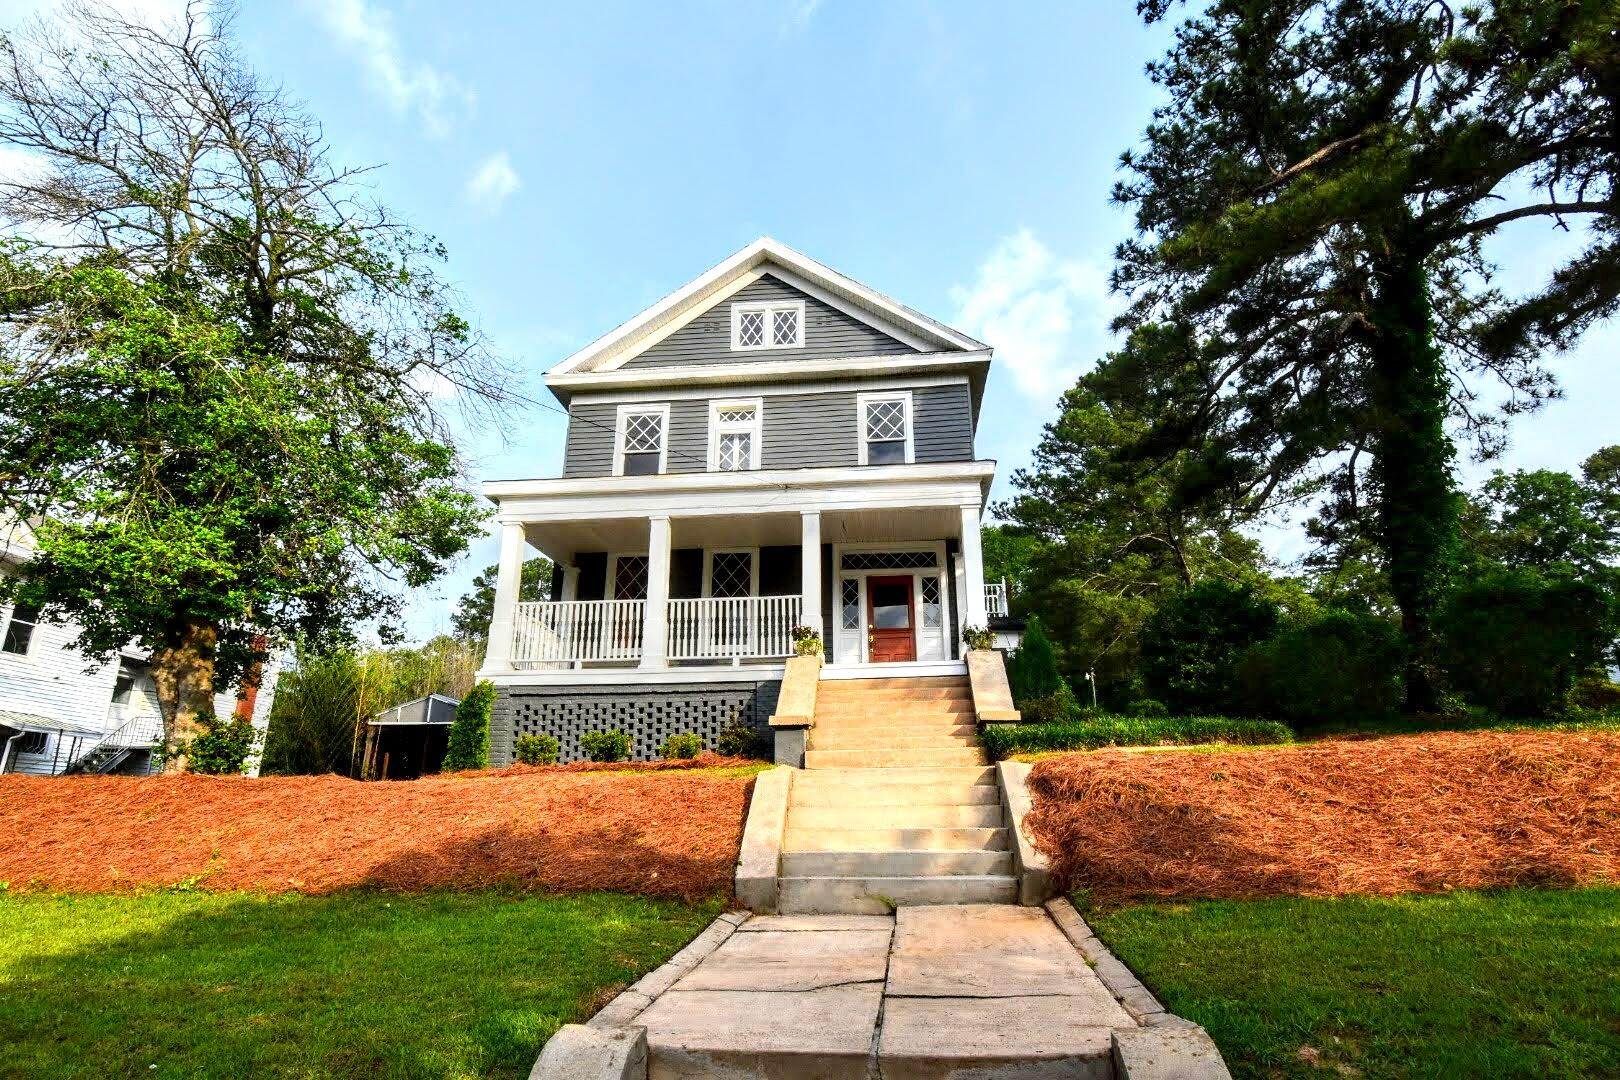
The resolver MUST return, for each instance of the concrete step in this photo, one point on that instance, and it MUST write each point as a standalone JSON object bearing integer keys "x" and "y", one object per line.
{"x": 801, "y": 839}
{"x": 866, "y": 711}
{"x": 882, "y": 740}
{"x": 970, "y": 774}
{"x": 837, "y": 694}
{"x": 890, "y": 721}
{"x": 894, "y": 864}
{"x": 930, "y": 682}
{"x": 851, "y": 794}
{"x": 880, "y": 759}
{"x": 877, "y": 895}
{"x": 894, "y": 817}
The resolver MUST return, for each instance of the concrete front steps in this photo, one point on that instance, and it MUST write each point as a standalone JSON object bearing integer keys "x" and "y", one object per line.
{"x": 897, "y": 804}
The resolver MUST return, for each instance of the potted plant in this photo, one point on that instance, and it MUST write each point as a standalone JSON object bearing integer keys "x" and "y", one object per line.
{"x": 807, "y": 641}
{"x": 978, "y": 637}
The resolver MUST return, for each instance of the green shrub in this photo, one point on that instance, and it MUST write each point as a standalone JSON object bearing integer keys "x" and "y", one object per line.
{"x": 535, "y": 749}
{"x": 1513, "y": 640}
{"x": 1058, "y": 706}
{"x": 1595, "y": 691}
{"x": 1032, "y": 671}
{"x": 1147, "y": 707}
{"x": 683, "y": 747}
{"x": 1192, "y": 644}
{"x": 1338, "y": 666}
{"x": 221, "y": 749}
{"x": 1091, "y": 733}
{"x": 737, "y": 738}
{"x": 469, "y": 731}
{"x": 611, "y": 745}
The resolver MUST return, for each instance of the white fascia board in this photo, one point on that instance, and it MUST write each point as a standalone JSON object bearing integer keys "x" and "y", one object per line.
{"x": 656, "y": 678}
{"x": 748, "y": 481}
{"x": 769, "y": 390}
{"x": 620, "y": 343}
{"x": 764, "y": 371}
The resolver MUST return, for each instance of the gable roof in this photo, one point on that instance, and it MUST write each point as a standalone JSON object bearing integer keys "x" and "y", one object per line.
{"x": 733, "y": 274}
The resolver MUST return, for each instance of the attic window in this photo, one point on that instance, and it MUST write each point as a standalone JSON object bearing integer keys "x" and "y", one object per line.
{"x": 777, "y": 325}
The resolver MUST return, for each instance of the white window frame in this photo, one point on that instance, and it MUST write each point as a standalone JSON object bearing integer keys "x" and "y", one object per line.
{"x": 862, "y": 401}
{"x": 769, "y": 308}
{"x": 755, "y": 429}
{"x": 661, "y": 409}
{"x": 608, "y": 586}
{"x": 708, "y": 568}
{"x": 5, "y": 630}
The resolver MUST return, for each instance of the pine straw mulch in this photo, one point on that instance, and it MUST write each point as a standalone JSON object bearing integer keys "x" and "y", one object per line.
{"x": 1416, "y": 813}
{"x": 559, "y": 828}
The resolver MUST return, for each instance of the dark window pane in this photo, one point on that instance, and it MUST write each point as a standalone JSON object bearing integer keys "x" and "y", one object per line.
{"x": 640, "y": 464}
{"x": 891, "y": 606}
{"x": 19, "y": 629}
{"x": 886, "y": 453}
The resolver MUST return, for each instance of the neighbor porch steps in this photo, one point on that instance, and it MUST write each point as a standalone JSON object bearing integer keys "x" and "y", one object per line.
{"x": 897, "y": 803}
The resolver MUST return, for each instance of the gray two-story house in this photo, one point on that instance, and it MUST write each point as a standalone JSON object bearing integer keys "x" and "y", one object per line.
{"x": 774, "y": 444}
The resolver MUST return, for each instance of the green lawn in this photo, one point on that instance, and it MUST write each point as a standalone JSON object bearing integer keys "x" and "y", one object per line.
{"x": 1516, "y": 983}
{"x": 172, "y": 984}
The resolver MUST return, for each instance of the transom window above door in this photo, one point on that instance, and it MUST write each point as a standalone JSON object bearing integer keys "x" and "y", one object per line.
{"x": 642, "y": 440}
{"x": 885, "y": 428}
{"x": 775, "y": 325}
{"x": 734, "y": 431}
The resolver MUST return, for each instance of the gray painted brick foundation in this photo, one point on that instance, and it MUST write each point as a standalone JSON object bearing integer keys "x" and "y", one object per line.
{"x": 649, "y": 713}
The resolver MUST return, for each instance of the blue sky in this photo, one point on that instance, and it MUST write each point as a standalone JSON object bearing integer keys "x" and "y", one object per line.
{"x": 582, "y": 160}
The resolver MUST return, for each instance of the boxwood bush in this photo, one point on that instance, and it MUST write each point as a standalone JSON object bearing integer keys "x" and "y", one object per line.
{"x": 535, "y": 749}
{"x": 1095, "y": 732}
{"x": 683, "y": 746}
{"x": 612, "y": 745}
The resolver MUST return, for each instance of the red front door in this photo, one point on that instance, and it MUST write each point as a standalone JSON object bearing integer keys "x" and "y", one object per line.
{"x": 889, "y": 638}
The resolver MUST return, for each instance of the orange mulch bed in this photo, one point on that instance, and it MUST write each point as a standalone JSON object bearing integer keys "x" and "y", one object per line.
{"x": 1416, "y": 813}
{"x": 562, "y": 828}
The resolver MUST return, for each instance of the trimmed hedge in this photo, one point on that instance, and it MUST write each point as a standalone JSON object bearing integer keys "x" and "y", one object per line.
{"x": 1093, "y": 733}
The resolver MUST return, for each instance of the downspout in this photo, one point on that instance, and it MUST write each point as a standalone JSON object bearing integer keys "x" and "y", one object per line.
{"x": 5, "y": 755}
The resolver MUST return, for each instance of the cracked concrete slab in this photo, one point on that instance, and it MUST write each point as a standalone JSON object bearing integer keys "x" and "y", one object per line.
{"x": 789, "y": 960}
{"x": 985, "y": 950}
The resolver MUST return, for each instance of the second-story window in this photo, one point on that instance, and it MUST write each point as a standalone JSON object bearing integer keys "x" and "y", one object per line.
{"x": 643, "y": 440}
{"x": 775, "y": 325}
{"x": 885, "y": 420}
{"x": 19, "y": 630}
{"x": 734, "y": 428}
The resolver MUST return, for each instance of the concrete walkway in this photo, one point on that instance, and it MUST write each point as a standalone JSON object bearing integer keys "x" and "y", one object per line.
{"x": 987, "y": 991}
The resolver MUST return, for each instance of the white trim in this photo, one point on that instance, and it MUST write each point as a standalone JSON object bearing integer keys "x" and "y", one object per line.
{"x": 624, "y": 337}
{"x": 874, "y": 397}
{"x": 837, "y": 303}
{"x": 824, "y": 386}
{"x": 821, "y": 477}
{"x": 707, "y": 590}
{"x": 858, "y": 636}
{"x": 755, "y": 430}
{"x": 661, "y": 409}
{"x": 631, "y": 676}
{"x": 769, "y": 309}
{"x": 893, "y": 365}
{"x": 613, "y": 572}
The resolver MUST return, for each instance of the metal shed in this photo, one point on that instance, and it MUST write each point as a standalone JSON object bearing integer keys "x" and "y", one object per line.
{"x": 410, "y": 739}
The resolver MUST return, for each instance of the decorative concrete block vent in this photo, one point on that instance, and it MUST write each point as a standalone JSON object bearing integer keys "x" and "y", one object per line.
{"x": 649, "y": 715}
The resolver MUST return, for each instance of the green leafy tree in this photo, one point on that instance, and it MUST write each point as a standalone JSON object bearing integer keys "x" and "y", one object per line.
{"x": 469, "y": 731}
{"x": 475, "y": 609}
{"x": 1193, "y": 645}
{"x": 1008, "y": 551}
{"x": 1113, "y": 541}
{"x": 222, "y": 367}
{"x": 1314, "y": 200}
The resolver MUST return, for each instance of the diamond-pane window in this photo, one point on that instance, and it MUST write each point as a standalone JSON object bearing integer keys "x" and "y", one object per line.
{"x": 885, "y": 420}
{"x": 643, "y": 431}
{"x": 734, "y": 435}
{"x": 775, "y": 324}
{"x": 751, "y": 329}
{"x": 732, "y": 573}
{"x": 931, "y": 609}
{"x": 735, "y": 451}
{"x": 743, "y": 414}
{"x": 850, "y": 595}
{"x": 890, "y": 560}
{"x": 785, "y": 327}
{"x": 630, "y": 578}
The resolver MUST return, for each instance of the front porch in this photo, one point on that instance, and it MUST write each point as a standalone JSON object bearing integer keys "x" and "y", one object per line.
{"x": 677, "y": 586}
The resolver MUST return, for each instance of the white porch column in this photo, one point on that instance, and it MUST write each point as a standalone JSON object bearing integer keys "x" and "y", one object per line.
{"x": 655, "y": 630}
{"x": 570, "y": 584}
{"x": 810, "y": 568}
{"x": 972, "y": 567}
{"x": 508, "y": 579}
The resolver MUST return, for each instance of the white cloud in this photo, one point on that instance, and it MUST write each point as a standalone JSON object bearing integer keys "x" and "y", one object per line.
{"x": 407, "y": 86}
{"x": 493, "y": 183}
{"x": 1046, "y": 317}
{"x": 797, "y": 16}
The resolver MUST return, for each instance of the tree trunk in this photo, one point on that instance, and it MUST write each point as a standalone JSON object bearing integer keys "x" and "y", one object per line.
{"x": 183, "y": 675}
{"x": 1415, "y": 517}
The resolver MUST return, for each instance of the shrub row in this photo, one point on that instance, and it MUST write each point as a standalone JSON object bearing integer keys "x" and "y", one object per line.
{"x": 1095, "y": 732}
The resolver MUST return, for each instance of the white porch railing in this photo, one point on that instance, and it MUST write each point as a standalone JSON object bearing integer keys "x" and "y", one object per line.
{"x": 995, "y": 599}
{"x": 576, "y": 631}
{"x": 732, "y": 627}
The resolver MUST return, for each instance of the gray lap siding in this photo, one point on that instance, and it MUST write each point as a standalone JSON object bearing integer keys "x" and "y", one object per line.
{"x": 799, "y": 431}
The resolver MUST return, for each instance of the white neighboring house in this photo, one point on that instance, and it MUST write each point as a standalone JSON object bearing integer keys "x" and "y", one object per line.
{"x": 61, "y": 711}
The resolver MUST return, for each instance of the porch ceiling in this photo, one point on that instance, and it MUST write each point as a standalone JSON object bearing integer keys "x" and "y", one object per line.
{"x": 561, "y": 539}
